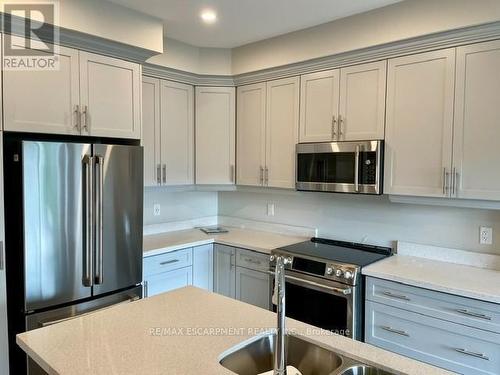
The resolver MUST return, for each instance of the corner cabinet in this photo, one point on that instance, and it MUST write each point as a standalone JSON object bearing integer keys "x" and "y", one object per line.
{"x": 168, "y": 132}
{"x": 419, "y": 125}
{"x": 268, "y": 118}
{"x": 89, "y": 95}
{"x": 215, "y": 135}
{"x": 346, "y": 104}
{"x": 224, "y": 271}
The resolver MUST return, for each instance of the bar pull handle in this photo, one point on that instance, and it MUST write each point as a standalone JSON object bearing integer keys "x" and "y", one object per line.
{"x": 266, "y": 177}
{"x": 145, "y": 288}
{"x": 341, "y": 121}
{"x": 89, "y": 228}
{"x": 231, "y": 171}
{"x": 158, "y": 174}
{"x": 396, "y": 331}
{"x": 473, "y": 314}
{"x": 397, "y": 296}
{"x": 169, "y": 262}
{"x": 99, "y": 267}
{"x": 84, "y": 120}
{"x": 356, "y": 168}
{"x": 2, "y": 256}
{"x": 164, "y": 173}
{"x": 77, "y": 119}
{"x": 334, "y": 124}
{"x": 261, "y": 175}
{"x": 472, "y": 354}
{"x": 446, "y": 186}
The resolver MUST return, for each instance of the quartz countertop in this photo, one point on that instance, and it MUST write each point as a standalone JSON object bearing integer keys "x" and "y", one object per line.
{"x": 180, "y": 332}
{"x": 452, "y": 278}
{"x": 260, "y": 241}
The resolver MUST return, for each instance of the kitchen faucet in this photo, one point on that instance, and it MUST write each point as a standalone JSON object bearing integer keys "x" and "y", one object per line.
{"x": 279, "y": 292}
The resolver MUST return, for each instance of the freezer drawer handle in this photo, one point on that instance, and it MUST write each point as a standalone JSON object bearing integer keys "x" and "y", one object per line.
{"x": 99, "y": 267}
{"x": 52, "y": 322}
{"x": 472, "y": 354}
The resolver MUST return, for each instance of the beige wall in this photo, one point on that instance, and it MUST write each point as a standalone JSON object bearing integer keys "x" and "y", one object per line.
{"x": 110, "y": 21}
{"x": 403, "y": 20}
{"x": 182, "y": 56}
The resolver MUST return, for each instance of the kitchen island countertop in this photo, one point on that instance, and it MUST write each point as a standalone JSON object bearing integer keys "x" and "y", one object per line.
{"x": 181, "y": 332}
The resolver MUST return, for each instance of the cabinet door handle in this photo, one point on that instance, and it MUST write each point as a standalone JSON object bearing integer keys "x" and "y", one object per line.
{"x": 397, "y": 296}
{"x": 158, "y": 174}
{"x": 341, "y": 121}
{"x": 396, "y": 331}
{"x": 145, "y": 288}
{"x": 76, "y": 113}
{"x": 2, "y": 256}
{"x": 473, "y": 314}
{"x": 334, "y": 124}
{"x": 261, "y": 175}
{"x": 84, "y": 116}
{"x": 266, "y": 176}
{"x": 446, "y": 186}
{"x": 231, "y": 171}
{"x": 164, "y": 173}
{"x": 472, "y": 354}
{"x": 455, "y": 181}
{"x": 169, "y": 262}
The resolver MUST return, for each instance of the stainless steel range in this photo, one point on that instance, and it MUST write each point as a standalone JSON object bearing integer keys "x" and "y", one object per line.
{"x": 324, "y": 285}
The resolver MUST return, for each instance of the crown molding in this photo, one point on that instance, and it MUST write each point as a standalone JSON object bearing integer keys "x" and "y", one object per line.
{"x": 83, "y": 41}
{"x": 158, "y": 71}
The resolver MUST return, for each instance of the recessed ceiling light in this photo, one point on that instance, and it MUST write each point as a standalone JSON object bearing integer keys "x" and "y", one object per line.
{"x": 208, "y": 16}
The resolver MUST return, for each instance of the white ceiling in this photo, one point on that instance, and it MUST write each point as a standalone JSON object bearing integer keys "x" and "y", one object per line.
{"x": 245, "y": 21}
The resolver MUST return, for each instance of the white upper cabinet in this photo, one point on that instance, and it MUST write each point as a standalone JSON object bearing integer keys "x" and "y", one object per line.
{"x": 477, "y": 121}
{"x": 215, "y": 135}
{"x": 251, "y": 134}
{"x": 362, "y": 102}
{"x": 319, "y": 106}
{"x": 281, "y": 132}
{"x": 110, "y": 96}
{"x": 177, "y": 133}
{"x": 420, "y": 91}
{"x": 43, "y": 101}
{"x": 151, "y": 131}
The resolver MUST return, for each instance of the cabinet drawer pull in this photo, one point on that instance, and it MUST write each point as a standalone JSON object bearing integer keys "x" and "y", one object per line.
{"x": 169, "y": 262}
{"x": 473, "y": 314}
{"x": 158, "y": 174}
{"x": 398, "y": 296}
{"x": 472, "y": 354}
{"x": 396, "y": 331}
{"x": 334, "y": 123}
{"x": 250, "y": 260}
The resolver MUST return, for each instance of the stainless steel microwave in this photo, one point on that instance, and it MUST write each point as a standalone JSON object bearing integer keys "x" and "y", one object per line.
{"x": 340, "y": 167}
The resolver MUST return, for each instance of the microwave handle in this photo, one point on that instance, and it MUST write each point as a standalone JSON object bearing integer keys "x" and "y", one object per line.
{"x": 356, "y": 169}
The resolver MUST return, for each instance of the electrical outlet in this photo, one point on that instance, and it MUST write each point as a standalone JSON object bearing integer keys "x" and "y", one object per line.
{"x": 270, "y": 209}
{"x": 156, "y": 209}
{"x": 485, "y": 235}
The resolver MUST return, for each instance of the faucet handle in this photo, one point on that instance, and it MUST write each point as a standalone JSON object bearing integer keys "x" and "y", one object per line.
{"x": 287, "y": 260}
{"x": 272, "y": 258}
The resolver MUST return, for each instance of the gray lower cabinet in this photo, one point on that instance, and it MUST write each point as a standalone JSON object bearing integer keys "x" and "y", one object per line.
{"x": 203, "y": 266}
{"x": 452, "y": 332}
{"x": 253, "y": 287}
{"x": 224, "y": 270}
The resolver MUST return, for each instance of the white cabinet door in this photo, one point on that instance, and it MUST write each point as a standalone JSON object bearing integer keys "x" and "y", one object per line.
{"x": 166, "y": 281}
{"x": 253, "y": 287}
{"x": 251, "y": 134}
{"x": 282, "y": 132}
{"x": 43, "y": 101}
{"x": 420, "y": 91}
{"x": 151, "y": 130}
{"x": 110, "y": 96}
{"x": 362, "y": 102}
{"x": 319, "y": 106}
{"x": 224, "y": 270}
{"x": 477, "y": 124}
{"x": 215, "y": 135}
{"x": 4, "y": 342}
{"x": 203, "y": 267}
{"x": 177, "y": 133}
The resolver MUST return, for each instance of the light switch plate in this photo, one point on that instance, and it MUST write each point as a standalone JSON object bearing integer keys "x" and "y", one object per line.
{"x": 156, "y": 209}
{"x": 486, "y": 235}
{"x": 270, "y": 209}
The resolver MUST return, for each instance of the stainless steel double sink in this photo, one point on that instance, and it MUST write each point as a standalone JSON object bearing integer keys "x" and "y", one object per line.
{"x": 255, "y": 356}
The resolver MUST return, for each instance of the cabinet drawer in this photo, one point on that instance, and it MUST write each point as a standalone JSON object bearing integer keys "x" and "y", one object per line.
{"x": 167, "y": 281}
{"x": 168, "y": 261}
{"x": 252, "y": 260}
{"x": 448, "y": 345}
{"x": 466, "y": 311}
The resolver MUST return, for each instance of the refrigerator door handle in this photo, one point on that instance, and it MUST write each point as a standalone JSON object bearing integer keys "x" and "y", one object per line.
{"x": 88, "y": 252}
{"x": 99, "y": 268}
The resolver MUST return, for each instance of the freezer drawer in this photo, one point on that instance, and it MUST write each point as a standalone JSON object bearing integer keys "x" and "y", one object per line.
{"x": 51, "y": 317}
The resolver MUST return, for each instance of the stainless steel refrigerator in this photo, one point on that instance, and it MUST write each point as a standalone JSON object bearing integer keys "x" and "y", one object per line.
{"x": 74, "y": 231}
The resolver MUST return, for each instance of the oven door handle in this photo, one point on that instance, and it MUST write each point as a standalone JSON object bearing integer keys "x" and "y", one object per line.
{"x": 327, "y": 288}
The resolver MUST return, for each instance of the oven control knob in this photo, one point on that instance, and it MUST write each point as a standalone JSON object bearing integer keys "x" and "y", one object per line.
{"x": 288, "y": 260}
{"x": 348, "y": 275}
{"x": 338, "y": 272}
{"x": 329, "y": 270}
{"x": 271, "y": 258}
